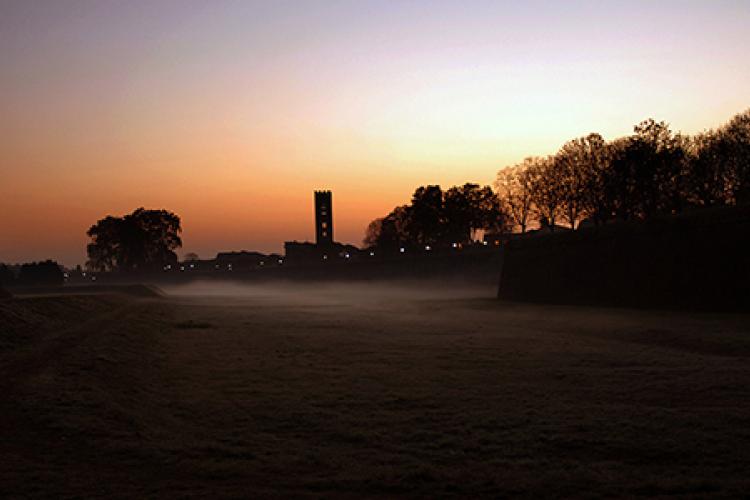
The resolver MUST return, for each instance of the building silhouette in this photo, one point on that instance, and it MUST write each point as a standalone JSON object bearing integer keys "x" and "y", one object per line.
{"x": 325, "y": 249}
{"x": 323, "y": 218}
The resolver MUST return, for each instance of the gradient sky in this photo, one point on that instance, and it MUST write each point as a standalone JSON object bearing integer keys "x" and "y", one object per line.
{"x": 230, "y": 113}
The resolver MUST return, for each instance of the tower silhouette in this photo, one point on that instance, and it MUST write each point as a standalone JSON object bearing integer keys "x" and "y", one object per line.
{"x": 323, "y": 218}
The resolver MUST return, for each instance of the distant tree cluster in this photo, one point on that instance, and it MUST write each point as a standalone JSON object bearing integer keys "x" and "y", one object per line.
{"x": 144, "y": 240}
{"x": 436, "y": 217}
{"x": 651, "y": 172}
{"x": 191, "y": 257}
{"x": 47, "y": 272}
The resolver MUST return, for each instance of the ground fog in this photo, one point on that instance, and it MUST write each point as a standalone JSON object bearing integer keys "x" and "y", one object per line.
{"x": 350, "y": 389}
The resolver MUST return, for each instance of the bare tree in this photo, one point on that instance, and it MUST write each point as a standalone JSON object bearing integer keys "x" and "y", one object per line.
{"x": 514, "y": 186}
{"x": 582, "y": 165}
{"x": 734, "y": 141}
{"x": 546, "y": 190}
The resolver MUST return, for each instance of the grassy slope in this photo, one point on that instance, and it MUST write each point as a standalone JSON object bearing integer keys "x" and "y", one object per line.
{"x": 294, "y": 396}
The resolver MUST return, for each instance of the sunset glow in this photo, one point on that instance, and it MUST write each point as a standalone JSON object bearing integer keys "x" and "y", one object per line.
{"x": 231, "y": 113}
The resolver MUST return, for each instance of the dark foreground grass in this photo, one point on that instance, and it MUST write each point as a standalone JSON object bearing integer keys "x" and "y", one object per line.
{"x": 362, "y": 392}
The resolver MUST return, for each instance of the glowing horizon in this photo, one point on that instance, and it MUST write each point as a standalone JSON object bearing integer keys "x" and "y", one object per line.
{"x": 231, "y": 113}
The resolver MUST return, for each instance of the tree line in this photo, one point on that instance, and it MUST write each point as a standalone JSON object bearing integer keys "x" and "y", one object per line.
{"x": 46, "y": 272}
{"x": 435, "y": 218}
{"x": 654, "y": 171}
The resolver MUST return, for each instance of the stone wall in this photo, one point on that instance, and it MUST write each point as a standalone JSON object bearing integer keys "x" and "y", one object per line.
{"x": 699, "y": 260}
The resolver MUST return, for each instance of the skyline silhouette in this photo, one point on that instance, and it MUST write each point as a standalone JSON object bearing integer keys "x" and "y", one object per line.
{"x": 230, "y": 115}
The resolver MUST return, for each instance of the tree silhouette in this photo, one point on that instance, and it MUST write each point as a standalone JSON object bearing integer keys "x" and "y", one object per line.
{"x": 707, "y": 181}
{"x": 514, "y": 187}
{"x": 425, "y": 216}
{"x": 143, "y": 240}
{"x": 41, "y": 273}
{"x": 389, "y": 232}
{"x": 582, "y": 165}
{"x": 647, "y": 170}
{"x": 651, "y": 172}
{"x": 437, "y": 218}
{"x": 734, "y": 144}
{"x": 470, "y": 207}
{"x": 547, "y": 193}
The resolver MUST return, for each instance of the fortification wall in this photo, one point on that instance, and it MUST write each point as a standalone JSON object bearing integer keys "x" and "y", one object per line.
{"x": 697, "y": 261}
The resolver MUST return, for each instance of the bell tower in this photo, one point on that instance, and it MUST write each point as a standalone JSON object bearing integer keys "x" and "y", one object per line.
{"x": 323, "y": 218}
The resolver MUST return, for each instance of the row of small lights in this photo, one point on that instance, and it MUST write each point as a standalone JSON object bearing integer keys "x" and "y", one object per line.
{"x": 66, "y": 276}
{"x": 428, "y": 248}
{"x": 403, "y": 250}
{"x": 168, "y": 267}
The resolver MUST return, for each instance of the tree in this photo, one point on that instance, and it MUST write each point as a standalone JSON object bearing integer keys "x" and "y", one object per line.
{"x": 437, "y": 217}
{"x": 546, "y": 190}
{"x": 647, "y": 170}
{"x": 142, "y": 240}
{"x": 373, "y": 232}
{"x": 468, "y": 208}
{"x": 582, "y": 164}
{"x": 514, "y": 185}
{"x": 425, "y": 216}
{"x": 734, "y": 146}
{"x": 191, "y": 257}
{"x": 389, "y": 233}
{"x": 707, "y": 180}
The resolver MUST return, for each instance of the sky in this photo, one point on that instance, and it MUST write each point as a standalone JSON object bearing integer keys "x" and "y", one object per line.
{"x": 231, "y": 113}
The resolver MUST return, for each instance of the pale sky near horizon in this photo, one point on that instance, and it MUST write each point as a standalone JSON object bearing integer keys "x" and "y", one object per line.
{"x": 230, "y": 113}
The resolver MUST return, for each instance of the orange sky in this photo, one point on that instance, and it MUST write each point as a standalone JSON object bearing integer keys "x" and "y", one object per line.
{"x": 231, "y": 113}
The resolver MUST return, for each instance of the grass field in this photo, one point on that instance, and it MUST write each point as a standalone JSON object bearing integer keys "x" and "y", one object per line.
{"x": 367, "y": 390}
